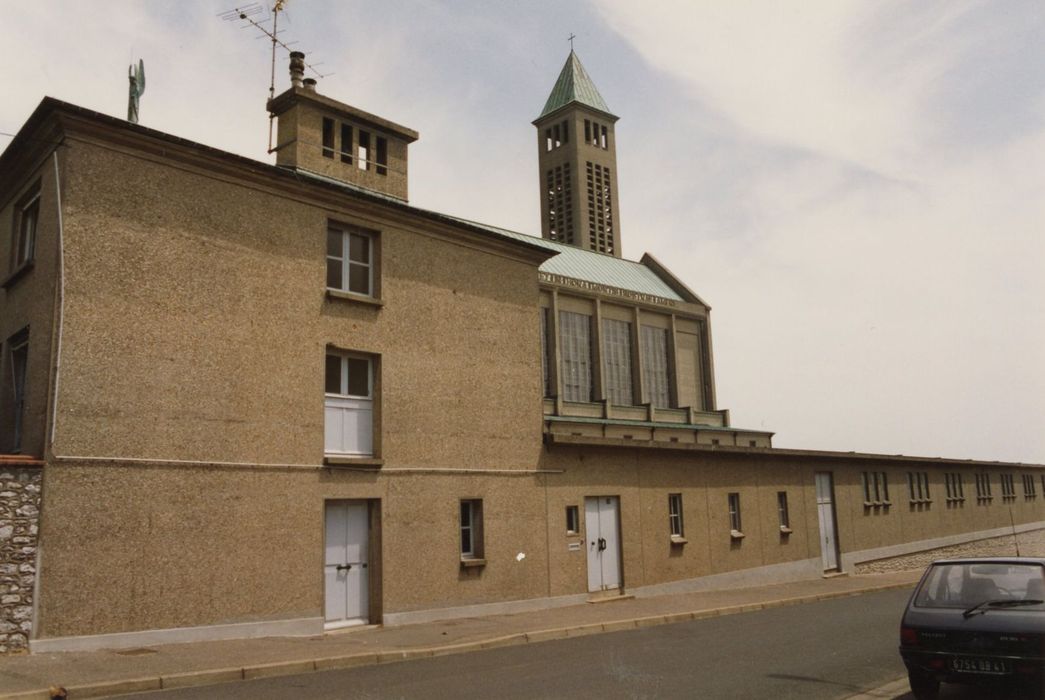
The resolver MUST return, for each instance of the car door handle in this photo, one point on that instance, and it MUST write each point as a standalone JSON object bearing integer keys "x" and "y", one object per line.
{"x": 344, "y": 567}
{"x": 602, "y": 544}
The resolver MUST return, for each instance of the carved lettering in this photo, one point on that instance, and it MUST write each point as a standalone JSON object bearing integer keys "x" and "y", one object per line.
{"x": 606, "y": 290}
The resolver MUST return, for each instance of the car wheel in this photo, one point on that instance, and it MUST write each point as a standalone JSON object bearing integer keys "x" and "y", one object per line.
{"x": 923, "y": 687}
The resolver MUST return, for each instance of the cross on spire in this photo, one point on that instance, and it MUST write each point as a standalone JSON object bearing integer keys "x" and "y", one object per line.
{"x": 570, "y": 39}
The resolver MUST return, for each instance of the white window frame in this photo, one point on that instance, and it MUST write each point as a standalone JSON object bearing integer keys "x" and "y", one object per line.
{"x": 347, "y": 415}
{"x": 25, "y": 230}
{"x": 471, "y": 528}
{"x": 675, "y": 523}
{"x": 783, "y": 512}
{"x": 348, "y": 265}
{"x": 735, "y": 521}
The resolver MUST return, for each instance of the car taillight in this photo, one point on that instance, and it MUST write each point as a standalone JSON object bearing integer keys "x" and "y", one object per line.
{"x": 908, "y": 636}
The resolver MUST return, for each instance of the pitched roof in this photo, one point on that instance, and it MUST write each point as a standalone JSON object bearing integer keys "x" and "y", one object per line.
{"x": 574, "y": 85}
{"x": 598, "y": 268}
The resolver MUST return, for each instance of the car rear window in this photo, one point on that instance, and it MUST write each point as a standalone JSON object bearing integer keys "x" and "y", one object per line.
{"x": 963, "y": 585}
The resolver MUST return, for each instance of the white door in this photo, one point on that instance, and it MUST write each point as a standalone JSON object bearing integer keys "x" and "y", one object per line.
{"x": 601, "y": 526}
{"x": 825, "y": 509}
{"x": 345, "y": 565}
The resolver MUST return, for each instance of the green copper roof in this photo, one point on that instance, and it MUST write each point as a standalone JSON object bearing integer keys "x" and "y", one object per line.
{"x": 574, "y": 85}
{"x": 587, "y": 266}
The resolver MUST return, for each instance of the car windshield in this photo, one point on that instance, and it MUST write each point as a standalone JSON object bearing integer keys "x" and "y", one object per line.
{"x": 967, "y": 585}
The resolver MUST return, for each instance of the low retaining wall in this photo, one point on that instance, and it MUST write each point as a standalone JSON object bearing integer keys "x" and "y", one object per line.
{"x": 20, "y": 487}
{"x": 1031, "y": 544}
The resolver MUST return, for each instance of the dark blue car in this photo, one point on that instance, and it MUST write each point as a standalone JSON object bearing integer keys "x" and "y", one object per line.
{"x": 976, "y": 621}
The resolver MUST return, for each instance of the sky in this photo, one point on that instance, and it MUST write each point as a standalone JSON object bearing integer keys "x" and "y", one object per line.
{"x": 856, "y": 188}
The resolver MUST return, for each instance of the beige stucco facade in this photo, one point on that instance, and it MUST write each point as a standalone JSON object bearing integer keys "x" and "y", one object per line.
{"x": 179, "y": 320}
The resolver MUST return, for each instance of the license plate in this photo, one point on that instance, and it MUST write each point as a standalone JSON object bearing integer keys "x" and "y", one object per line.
{"x": 974, "y": 665}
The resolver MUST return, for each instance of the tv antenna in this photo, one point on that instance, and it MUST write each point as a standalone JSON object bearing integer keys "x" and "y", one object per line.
{"x": 252, "y": 15}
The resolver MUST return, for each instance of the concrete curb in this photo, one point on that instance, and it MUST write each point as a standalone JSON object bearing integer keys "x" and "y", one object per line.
{"x": 291, "y": 668}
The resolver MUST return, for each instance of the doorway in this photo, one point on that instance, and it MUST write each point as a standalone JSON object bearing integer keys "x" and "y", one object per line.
{"x": 825, "y": 510}
{"x": 346, "y": 566}
{"x": 602, "y": 528}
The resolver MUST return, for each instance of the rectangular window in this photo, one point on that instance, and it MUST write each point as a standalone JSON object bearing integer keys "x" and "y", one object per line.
{"x": 983, "y": 487}
{"x": 565, "y": 131}
{"x": 363, "y": 152}
{"x": 575, "y": 354}
{"x": 349, "y": 405}
{"x": 675, "y": 515}
{"x": 328, "y": 137}
{"x": 18, "y": 351}
{"x": 616, "y": 361}
{"x": 1008, "y": 490}
{"x": 604, "y": 142}
{"x": 918, "y": 487}
{"x": 587, "y": 131}
{"x": 346, "y": 144}
{"x": 350, "y": 261}
{"x": 27, "y": 218}
{"x": 573, "y": 520}
{"x": 472, "y": 528}
{"x": 655, "y": 372}
{"x": 734, "y": 514}
{"x": 382, "y": 155}
{"x": 781, "y": 509}
{"x": 547, "y": 139}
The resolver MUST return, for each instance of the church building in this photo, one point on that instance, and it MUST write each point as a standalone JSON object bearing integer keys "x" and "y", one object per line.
{"x": 244, "y": 399}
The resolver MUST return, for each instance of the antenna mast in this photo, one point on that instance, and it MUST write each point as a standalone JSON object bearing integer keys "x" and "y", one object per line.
{"x": 247, "y": 15}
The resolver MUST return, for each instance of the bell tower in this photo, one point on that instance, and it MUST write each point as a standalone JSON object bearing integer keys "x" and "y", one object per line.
{"x": 577, "y": 161}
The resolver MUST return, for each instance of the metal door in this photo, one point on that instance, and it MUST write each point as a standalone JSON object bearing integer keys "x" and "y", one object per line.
{"x": 602, "y": 527}
{"x": 825, "y": 510}
{"x": 345, "y": 566}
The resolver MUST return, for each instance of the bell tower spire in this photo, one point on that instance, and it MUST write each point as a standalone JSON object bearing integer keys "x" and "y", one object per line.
{"x": 577, "y": 160}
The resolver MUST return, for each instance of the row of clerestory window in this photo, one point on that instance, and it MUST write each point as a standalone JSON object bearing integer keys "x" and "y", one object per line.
{"x": 577, "y": 367}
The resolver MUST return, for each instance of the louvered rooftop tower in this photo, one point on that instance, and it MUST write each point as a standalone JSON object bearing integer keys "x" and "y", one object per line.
{"x": 577, "y": 160}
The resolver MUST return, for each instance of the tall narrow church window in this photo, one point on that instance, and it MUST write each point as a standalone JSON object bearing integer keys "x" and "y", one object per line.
{"x": 616, "y": 357}
{"x": 346, "y": 144}
{"x": 328, "y": 137}
{"x": 557, "y": 139}
{"x": 575, "y": 352}
{"x": 547, "y": 139}
{"x": 655, "y": 366}
{"x": 565, "y": 131}
{"x": 587, "y": 131}
{"x": 604, "y": 140}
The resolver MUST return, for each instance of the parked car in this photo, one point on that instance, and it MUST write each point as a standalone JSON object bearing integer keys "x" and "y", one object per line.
{"x": 976, "y": 621}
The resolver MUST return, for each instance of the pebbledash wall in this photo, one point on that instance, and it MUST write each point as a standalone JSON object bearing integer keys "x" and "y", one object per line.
{"x": 20, "y": 481}
{"x": 178, "y": 323}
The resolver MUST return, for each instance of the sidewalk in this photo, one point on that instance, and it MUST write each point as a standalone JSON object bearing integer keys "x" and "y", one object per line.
{"x": 101, "y": 673}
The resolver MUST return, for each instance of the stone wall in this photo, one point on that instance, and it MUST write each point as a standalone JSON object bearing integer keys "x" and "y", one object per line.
{"x": 19, "y": 516}
{"x": 1032, "y": 544}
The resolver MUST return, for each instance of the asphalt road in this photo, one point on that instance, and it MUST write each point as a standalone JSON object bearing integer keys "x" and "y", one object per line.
{"x": 830, "y": 649}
